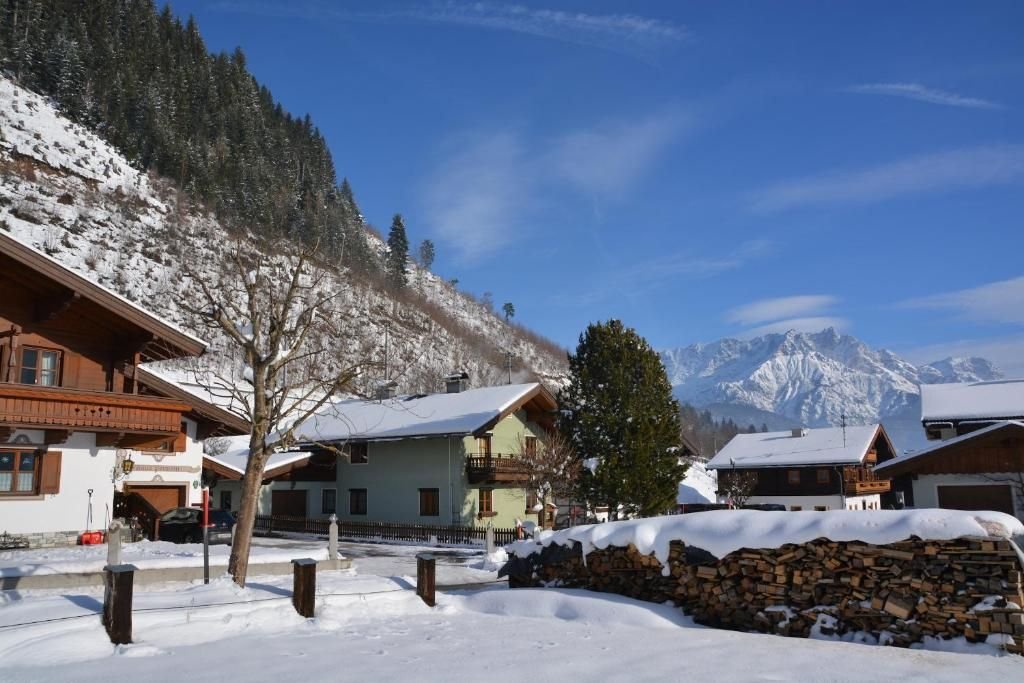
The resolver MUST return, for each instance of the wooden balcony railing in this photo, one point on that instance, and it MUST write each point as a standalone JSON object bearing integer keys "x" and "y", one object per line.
{"x": 495, "y": 468}
{"x": 861, "y": 488}
{"x": 54, "y": 408}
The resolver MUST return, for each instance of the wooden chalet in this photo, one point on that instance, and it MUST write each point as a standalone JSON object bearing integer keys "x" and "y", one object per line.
{"x": 809, "y": 469}
{"x": 74, "y": 402}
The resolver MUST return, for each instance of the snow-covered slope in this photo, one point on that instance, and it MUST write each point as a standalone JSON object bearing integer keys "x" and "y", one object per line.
{"x": 67, "y": 192}
{"x": 813, "y": 379}
{"x": 698, "y": 486}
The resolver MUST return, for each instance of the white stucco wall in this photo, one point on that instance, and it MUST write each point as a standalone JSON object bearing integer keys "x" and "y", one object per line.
{"x": 926, "y": 488}
{"x": 83, "y": 467}
{"x": 805, "y": 502}
{"x": 169, "y": 469}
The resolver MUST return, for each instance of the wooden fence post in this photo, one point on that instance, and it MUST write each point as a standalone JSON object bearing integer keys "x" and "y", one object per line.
{"x": 304, "y": 586}
{"x": 426, "y": 567}
{"x": 117, "y": 602}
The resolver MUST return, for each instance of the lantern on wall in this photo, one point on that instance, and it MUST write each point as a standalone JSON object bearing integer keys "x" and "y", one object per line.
{"x": 127, "y": 465}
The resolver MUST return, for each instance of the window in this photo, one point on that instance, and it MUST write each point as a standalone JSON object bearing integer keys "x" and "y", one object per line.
{"x": 793, "y": 477}
{"x": 487, "y": 503}
{"x": 357, "y": 501}
{"x": 40, "y": 366}
{"x": 822, "y": 476}
{"x": 225, "y": 500}
{"x": 19, "y": 473}
{"x": 430, "y": 500}
{"x": 328, "y": 501}
{"x": 357, "y": 453}
{"x": 820, "y": 508}
{"x": 795, "y": 508}
{"x": 483, "y": 445}
{"x": 530, "y": 446}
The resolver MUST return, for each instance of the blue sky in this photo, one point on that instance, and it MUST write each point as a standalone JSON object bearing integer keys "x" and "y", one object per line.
{"x": 698, "y": 169}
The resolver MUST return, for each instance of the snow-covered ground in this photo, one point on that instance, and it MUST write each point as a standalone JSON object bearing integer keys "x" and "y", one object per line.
{"x": 698, "y": 486}
{"x": 144, "y": 555}
{"x": 375, "y": 628}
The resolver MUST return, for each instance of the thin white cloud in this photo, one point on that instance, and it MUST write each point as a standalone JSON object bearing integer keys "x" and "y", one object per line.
{"x": 921, "y": 93}
{"x": 997, "y": 302}
{"x": 809, "y": 324}
{"x": 486, "y": 190}
{"x": 1006, "y": 352}
{"x": 610, "y": 158}
{"x": 782, "y": 307}
{"x": 627, "y": 33}
{"x": 957, "y": 169}
{"x": 475, "y": 200}
{"x": 635, "y": 278}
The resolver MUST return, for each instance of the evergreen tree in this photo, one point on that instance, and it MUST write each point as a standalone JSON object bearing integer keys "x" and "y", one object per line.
{"x": 509, "y": 310}
{"x": 619, "y": 416}
{"x": 398, "y": 253}
{"x": 427, "y": 254}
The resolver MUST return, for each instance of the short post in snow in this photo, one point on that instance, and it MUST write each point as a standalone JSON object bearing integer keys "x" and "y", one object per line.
{"x": 304, "y": 586}
{"x": 117, "y": 602}
{"x": 489, "y": 535}
{"x": 332, "y": 539}
{"x": 206, "y": 534}
{"x": 426, "y": 583}
{"x": 114, "y": 543}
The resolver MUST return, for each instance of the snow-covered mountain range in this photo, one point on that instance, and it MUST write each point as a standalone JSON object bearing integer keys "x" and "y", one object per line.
{"x": 812, "y": 379}
{"x": 69, "y": 193}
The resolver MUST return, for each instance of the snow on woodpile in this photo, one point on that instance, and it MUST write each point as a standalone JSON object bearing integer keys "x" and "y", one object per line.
{"x": 721, "y": 532}
{"x": 698, "y": 486}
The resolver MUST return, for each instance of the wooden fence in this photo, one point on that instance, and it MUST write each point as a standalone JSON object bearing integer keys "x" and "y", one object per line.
{"x": 385, "y": 531}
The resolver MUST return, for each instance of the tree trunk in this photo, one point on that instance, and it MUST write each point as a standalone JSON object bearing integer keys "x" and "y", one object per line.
{"x": 252, "y": 480}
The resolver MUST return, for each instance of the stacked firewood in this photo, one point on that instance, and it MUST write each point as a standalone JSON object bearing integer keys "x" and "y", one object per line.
{"x": 894, "y": 594}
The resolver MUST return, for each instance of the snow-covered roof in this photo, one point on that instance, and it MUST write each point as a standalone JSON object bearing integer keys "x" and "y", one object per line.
{"x": 220, "y": 409}
{"x": 901, "y": 460}
{"x": 1002, "y": 398}
{"x": 721, "y": 532}
{"x": 456, "y": 414}
{"x": 236, "y": 457}
{"x": 823, "y": 446}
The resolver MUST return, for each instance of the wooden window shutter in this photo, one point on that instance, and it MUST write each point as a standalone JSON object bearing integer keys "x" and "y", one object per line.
{"x": 49, "y": 480}
{"x": 180, "y": 442}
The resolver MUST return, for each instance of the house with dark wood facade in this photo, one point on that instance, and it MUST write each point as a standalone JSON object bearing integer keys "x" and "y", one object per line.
{"x": 75, "y": 405}
{"x": 444, "y": 458}
{"x": 977, "y": 462}
{"x": 829, "y": 468}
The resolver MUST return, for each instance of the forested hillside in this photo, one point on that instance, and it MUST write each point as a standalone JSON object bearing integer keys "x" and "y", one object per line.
{"x": 145, "y": 81}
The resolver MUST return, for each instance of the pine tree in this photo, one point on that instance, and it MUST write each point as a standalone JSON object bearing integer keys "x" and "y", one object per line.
{"x": 427, "y": 254}
{"x": 619, "y": 415}
{"x": 398, "y": 253}
{"x": 509, "y": 310}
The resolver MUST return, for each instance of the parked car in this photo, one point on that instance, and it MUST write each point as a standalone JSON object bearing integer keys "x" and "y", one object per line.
{"x": 185, "y": 525}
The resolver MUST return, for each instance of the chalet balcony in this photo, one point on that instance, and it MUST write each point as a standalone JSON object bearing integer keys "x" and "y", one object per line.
{"x": 496, "y": 468}
{"x": 57, "y": 410}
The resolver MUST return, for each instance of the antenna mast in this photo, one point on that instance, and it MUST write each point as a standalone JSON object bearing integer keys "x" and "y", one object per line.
{"x": 842, "y": 417}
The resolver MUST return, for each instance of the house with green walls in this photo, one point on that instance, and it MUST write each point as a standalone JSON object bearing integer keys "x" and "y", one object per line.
{"x": 445, "y": 458}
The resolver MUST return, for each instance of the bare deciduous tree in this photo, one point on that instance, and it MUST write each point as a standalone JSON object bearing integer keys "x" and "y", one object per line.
{"x": 551, "y": 467}
{"x": 280, "y": 319}
{"x": 737, "y": 486}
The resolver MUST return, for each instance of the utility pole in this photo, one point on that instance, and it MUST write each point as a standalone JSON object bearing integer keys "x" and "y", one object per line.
{"x": 387, "y": 334}
{"x": 508, "y": 365}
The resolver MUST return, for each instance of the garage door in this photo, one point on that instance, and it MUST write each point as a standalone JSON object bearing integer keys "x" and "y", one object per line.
{"x": 288, "y": 503}
{"x": 995, "y": 497}
{"x": 163, "y": 498}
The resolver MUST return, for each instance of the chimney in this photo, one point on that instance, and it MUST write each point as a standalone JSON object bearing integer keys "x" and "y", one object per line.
{"x": 799, "y": 431}
{"x": 386, "y": 390}
{"x": 456, "y": 383}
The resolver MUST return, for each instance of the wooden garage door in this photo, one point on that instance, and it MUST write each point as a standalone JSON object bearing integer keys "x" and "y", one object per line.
{"x": 982, "y": 497}
{"x": 163, "y": 498}
{"x": 288, "y": 503}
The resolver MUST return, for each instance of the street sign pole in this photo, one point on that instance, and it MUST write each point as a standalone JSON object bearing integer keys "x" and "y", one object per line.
{"x": 206, "y": 534}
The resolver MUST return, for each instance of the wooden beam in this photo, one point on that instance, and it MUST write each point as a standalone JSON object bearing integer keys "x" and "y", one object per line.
{"x": 56, "y": 436}
{"x": 109, "y": 439}
{"x": 5, "y": 433}
{"x": 48, "y": 309}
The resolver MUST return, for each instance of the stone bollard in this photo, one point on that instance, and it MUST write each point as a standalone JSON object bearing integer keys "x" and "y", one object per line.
{"x": 490, "y": 539}
{"x": 332, "y": 539}
{"x": 426, "y": 584}
{"x": 304, "y": 586}
{"x": 114, "y": 543}
{"x": 117, "y": 602}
